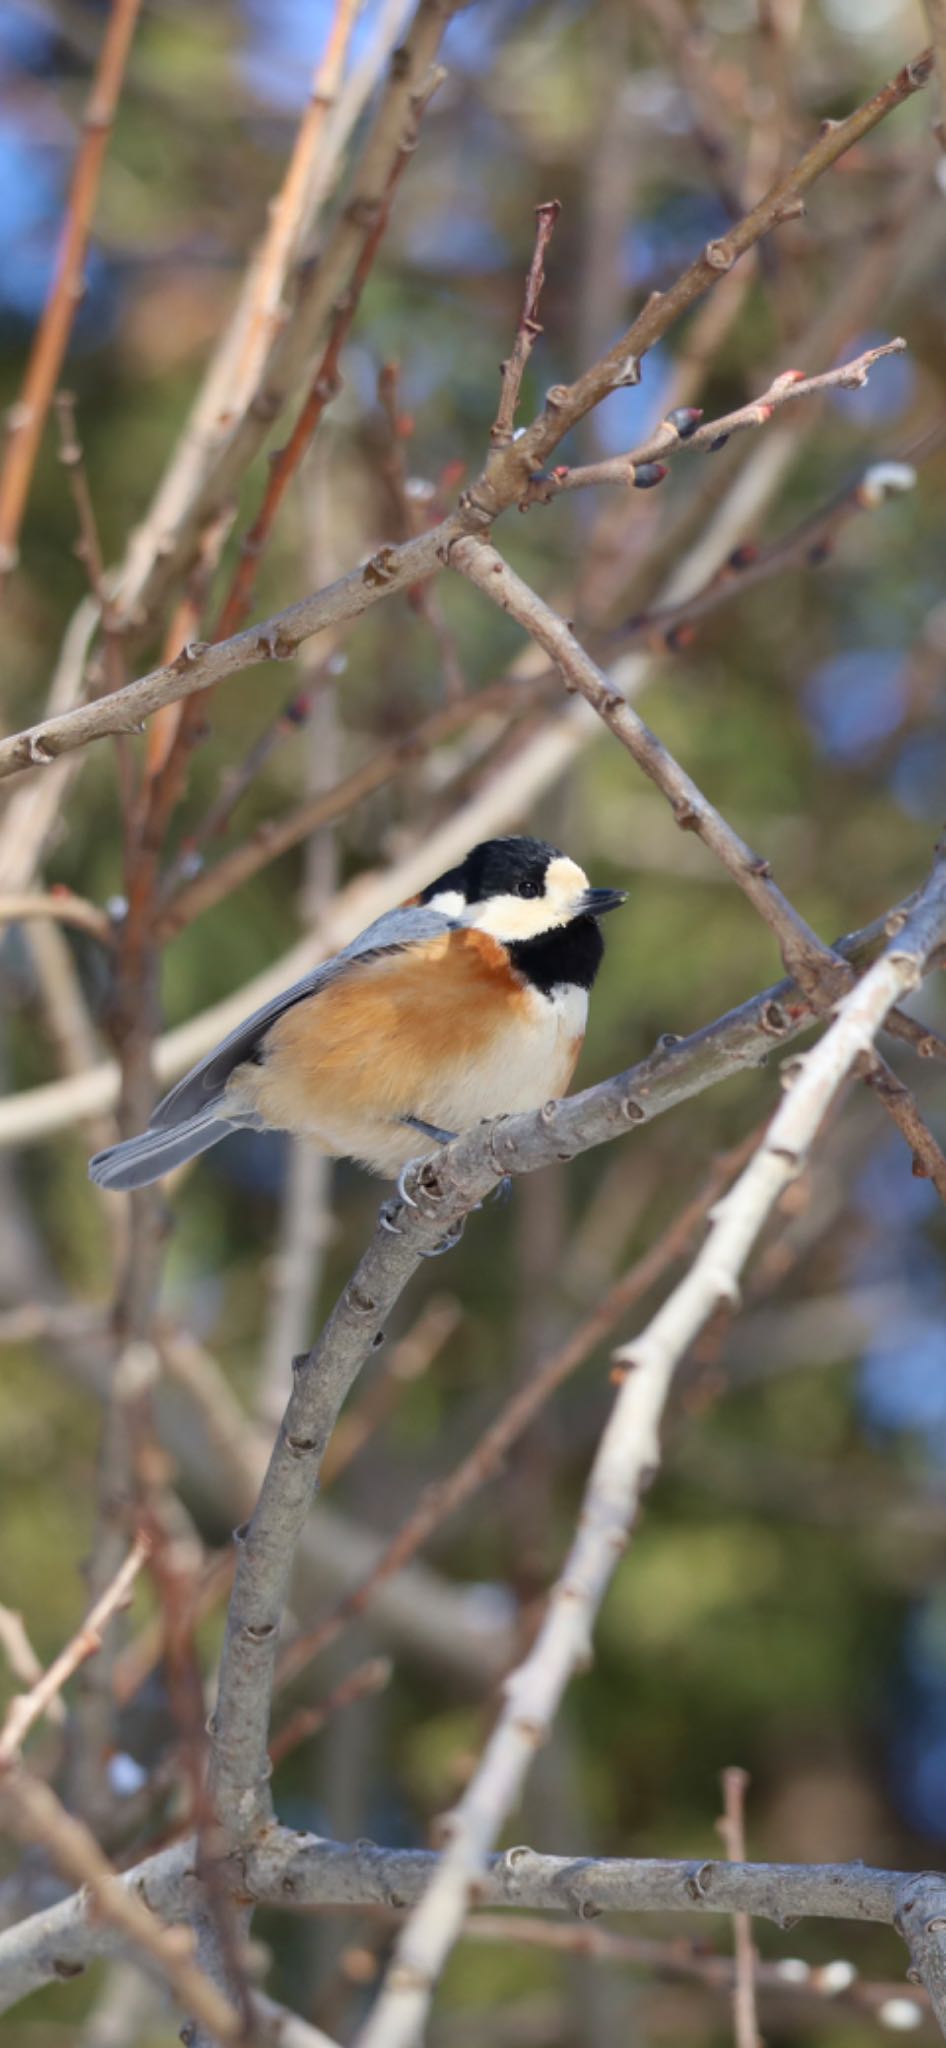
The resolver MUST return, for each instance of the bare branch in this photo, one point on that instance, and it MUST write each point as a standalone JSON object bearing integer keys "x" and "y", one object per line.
{"x": 513, "y": 369}
{"x": 811, "y": 542}
{"x": 27, "y": 1708}
{"x": 929, "y": 1161}
{"x": 63, "y": 907}
{"x": 626, "y": 1461}
{"x": 34, "y": 1814}
{"x": 806, "y": 958}
{"x": 682, "y": 429}
{"x": 445, "y": 1496}
{"x": 733, "y": 1831}
{"x": 52, "y": 335}
{"x": 503, "y": 480}
{"x": 297, "y": 1871}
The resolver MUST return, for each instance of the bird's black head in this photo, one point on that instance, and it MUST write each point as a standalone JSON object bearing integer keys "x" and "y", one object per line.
{"x": 536, "y": 901}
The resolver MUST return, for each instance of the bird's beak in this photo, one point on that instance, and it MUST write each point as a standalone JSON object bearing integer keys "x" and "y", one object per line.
{"x": 594, "y": 902}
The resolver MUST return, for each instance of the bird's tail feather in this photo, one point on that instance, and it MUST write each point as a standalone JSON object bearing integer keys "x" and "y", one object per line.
{"x": 139, "y": 1161}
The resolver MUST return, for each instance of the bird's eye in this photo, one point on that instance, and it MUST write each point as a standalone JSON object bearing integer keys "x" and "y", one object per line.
{"x": 526, "y": 888}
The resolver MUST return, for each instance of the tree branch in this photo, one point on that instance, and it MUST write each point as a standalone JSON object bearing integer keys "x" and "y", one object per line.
{"x": 624, "y": 1467}
{"x": 682, "y": 429}
{"x": 296, "y": 1872}
{"x": 52, "y": 335}
{"x": 501, "y": 484}
{"x": 807, "y": 959}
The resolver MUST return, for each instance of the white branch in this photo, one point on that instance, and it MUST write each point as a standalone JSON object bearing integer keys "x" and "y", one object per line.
{"x": 624, "y": 1466}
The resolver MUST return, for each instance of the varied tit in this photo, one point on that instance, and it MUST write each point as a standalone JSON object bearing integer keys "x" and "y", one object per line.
{"x": 469, "y": 1002}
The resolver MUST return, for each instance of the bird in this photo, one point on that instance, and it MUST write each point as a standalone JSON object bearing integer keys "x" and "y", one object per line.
{"x": 468, "y": 1002}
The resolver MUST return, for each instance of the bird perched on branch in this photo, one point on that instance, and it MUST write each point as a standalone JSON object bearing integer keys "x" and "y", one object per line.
{"x": 469, "y": 1002}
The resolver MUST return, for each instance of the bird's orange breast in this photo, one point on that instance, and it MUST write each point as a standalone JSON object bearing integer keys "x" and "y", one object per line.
{"x": 403, "y": 1034}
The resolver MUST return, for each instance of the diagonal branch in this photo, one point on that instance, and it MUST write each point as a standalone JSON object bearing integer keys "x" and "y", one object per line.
{"x": 624, "y": 1468}
{"x": 503, "y": 480}
{"x": 807, "y": 959}
{"x": 682, "y": 430}
{"x": 26, "y": 1708}
{"x": 52, "y": 335}
{"x": 447, "y": 1188}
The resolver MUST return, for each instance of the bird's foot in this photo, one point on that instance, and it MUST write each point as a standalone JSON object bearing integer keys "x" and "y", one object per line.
{"x": 388, "y": 1213}
{"x": 447, "y": 1243}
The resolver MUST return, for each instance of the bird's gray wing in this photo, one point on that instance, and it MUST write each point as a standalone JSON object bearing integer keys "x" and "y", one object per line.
{"x": 394, "y": 932}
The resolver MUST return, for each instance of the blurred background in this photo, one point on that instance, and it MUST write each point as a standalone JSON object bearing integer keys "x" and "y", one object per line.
{"x": 783, "y": 1606}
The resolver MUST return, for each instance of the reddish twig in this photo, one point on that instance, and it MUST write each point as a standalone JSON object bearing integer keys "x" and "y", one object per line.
{"x": 370, "y": 1677}
{"x": 678, "y": 1960}
{"x": 444, "y": 1497}
{"x": 276, "y": 836}
{"x": 410, "y": 519}
{"x": 811, "y": 542}
{"x": 732, "y": 1828}
{"x": 27, "y": 1707}
{"x": 52, "y": 335}
{"x": 501, "y": 484}
{"x": 88, "y": 546}
{"x": 682, "y": 428}
{"x": 929, "y": 1161}
{"x": 513, "y": 369}
{"x": 813, "y": 964}
{"x": 38, "y": 1818}
{"x": 289, "y": 207}
{"x": 325, "y": 384}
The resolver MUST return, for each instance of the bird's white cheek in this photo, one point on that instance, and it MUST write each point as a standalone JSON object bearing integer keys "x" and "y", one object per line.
{"x": 450, "y": 903}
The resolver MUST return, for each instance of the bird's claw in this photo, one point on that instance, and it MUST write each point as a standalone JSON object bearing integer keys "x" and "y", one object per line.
{"x": 409, "y": 1200}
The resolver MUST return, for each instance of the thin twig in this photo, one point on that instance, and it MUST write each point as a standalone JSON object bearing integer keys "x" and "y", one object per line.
{"x": 275, "y": 836}
{"x": 89, "y": 547}
{"x": 304, "y": 1722}
{"x": 444, "y": 1497}
{"x": 36, "y": 1816}
{"x": 504, "y": 479}
{"x": 929, "y": 1161}
{"x": 52, "y": 335}
{"x": 513, "y": 369}
{"x": 327, "y": 379}
{"x": 63, "y": 907}
{"x": 732, "y": 1827}
{"x": 21, "y": 1656}
{"x": 409, "y": 1359}
{"x": 806, "y": 958}
{"x": 293, "y": 203}
{"x": 811, "y": 542}
{"x": 681, "y": 1961}
{"x": 27, "y": 1708}
{"x": 624, "y": 1467}
{"x": 230, "y": 427}
{"x": 684, "y": 432}
{"x": 411, "y": 518}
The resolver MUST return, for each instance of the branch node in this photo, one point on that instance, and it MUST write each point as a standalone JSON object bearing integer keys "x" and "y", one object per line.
{"x": 696, "y": 1882}
{"x": 719, "y": 256}
{"x": 258, "y": 1631}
